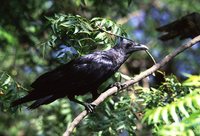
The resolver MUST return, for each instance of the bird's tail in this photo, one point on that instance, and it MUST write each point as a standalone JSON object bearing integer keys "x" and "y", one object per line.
{"x": 41, "y": 101}
{"x": 19, "y": 101}
{"x": 29, "y": 97}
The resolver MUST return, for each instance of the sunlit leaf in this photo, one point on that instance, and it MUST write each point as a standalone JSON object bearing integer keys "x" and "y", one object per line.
{"x": 182, "y": 109}
{"x": 165, "y": 115}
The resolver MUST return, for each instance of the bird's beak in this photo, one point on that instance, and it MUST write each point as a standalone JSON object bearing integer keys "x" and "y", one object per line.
{"x": 141, "y": 47}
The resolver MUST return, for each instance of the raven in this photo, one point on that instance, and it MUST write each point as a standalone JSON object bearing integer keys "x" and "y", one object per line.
{"x": 79, "y": 76}
{"x": 186, "y": 27}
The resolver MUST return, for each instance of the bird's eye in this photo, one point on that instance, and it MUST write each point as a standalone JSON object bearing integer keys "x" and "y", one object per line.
{"x": 128, "y": 45}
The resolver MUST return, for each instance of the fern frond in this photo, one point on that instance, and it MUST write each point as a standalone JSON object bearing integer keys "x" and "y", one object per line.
{"x": 193, "y": 80}
{"x": 175, "y": 111}
{"x": 187, "y": 127}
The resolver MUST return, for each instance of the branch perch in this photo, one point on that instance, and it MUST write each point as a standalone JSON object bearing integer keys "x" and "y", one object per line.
{"x": 137, "y": 78}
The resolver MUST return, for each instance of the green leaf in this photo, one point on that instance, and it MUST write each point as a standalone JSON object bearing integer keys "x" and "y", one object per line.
{"x": 165, "y": 115}
{"x": 101, "y": 36}
{"x": 157, "y": 115}
{"x": 7, "y": 81}
{"x": 103, "y": 22}
{"x": 76, "y": 30}
{"x": 182, "y": 109}
{"x": 190, "y": 104}
{"x": 173, "y": 113}
{"x": 116, "y": 30}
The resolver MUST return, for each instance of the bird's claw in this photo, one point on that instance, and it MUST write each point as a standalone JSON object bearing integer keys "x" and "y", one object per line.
{"x": 90, "y": 107}
{"x": 119, "y": 85}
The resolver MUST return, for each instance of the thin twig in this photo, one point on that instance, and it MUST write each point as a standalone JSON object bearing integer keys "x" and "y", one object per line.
{"x": 116, "y": 35}
{"x": 137, "y": 78}
{"x": 149, "y": 54}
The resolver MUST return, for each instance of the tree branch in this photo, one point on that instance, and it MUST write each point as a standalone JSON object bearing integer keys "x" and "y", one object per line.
{"x": 137, "y": 78}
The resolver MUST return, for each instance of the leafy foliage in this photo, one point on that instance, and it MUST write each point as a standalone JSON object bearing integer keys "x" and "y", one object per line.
{"x": 107, "y": 121}
{"x": 84, "y": 35}
{"x": 8, "y": 90}
{"x": 121, "y": 115}
{"x": 166, "y": 93}
{"x": 181, "y": 116}
{"x": 7, "y": 37}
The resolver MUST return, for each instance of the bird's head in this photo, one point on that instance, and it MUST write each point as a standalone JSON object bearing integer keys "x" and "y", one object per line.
{"x": 130, "y": 46}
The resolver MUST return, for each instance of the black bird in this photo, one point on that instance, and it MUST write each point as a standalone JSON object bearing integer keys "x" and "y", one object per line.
{"x": 186, "y": 27}
{"x": 79, "y": 76}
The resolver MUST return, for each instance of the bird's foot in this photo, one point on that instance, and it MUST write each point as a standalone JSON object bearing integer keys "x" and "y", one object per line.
{"x": 89, "y": 107}
{"x": 119, "y": 85}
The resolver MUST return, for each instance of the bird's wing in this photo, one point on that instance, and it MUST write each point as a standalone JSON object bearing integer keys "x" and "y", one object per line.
{"x": 185, "y": 27}
{"x": 83, "y": 71}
